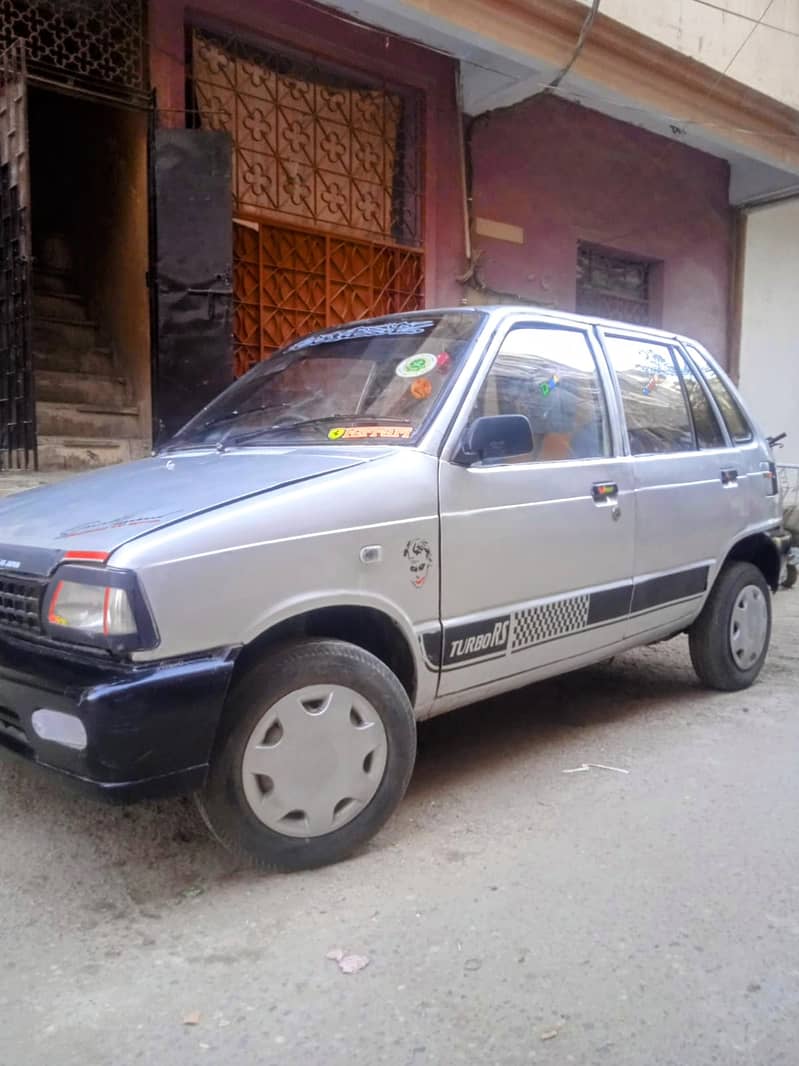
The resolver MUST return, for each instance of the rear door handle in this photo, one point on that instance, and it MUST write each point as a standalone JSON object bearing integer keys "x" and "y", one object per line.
{"x": 729, "y": 477}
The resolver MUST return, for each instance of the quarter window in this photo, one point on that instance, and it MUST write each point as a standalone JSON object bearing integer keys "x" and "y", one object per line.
{"x": 652, "y": 395}
{"x": 737, "y": 425}
{"x": 549, "y": 375}
{"x": 708, "y": 430}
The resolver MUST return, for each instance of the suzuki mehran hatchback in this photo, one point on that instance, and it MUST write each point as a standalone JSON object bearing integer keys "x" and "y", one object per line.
{"x": 383, "y": 522}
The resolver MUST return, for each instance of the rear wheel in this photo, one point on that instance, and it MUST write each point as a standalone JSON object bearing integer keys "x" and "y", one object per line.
{"x": 317, "y": 752}
{"x": 730, "y": 639}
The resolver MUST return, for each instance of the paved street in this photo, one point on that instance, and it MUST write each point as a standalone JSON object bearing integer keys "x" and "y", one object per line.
{"x": 511, "y": 913}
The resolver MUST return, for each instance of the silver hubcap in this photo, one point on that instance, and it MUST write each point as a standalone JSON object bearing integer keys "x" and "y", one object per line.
{"x": 314, "y": 761}
{"x": 748, "y": 627}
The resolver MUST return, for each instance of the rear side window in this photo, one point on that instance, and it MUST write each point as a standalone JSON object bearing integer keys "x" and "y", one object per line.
{"x": 708, "y": 430}
{"x": 739, "y": 429}
{"x": 652, "y": 395}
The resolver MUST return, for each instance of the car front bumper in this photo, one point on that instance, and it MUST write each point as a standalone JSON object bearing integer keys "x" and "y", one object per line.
{"x": 147, "y": 729}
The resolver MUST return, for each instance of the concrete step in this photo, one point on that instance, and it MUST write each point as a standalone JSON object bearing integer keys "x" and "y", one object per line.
{"x": 92, "y": 390}
{"x": 92, "y": 360}
{"x": 53, "y": 334}
{"x": 52, "y": 281}
{"x": 85, "y": 453}
{"x": 60, "y": 306}
{"x": 70, "y": 420}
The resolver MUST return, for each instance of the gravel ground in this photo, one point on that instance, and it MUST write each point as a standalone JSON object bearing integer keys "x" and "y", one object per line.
{"x": 511, "y": 913}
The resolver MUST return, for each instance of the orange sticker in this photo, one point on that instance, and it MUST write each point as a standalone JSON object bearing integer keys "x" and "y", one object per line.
{"x": 370, "y": 432}
{"x": 421, "y": 389}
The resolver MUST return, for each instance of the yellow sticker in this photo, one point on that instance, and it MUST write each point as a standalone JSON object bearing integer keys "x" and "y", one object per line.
{"x": 370, "y": 432}
{"x": 337, "y": 433}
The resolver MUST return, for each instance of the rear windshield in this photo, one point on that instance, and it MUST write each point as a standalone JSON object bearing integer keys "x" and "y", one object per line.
{"x": 374, "y": 381}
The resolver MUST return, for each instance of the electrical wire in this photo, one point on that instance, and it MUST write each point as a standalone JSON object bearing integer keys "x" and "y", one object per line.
{"x": 585, "y": 29}
{"x": 745, "y": 18}
{"x": 745, "y": 42}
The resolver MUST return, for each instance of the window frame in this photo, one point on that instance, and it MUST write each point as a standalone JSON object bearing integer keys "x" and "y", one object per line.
{"x": 672, "y": 344}
{"x": 606, "y": 382}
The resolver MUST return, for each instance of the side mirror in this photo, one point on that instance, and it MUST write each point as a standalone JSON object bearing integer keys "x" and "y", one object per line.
{"x": 495, "y": 437}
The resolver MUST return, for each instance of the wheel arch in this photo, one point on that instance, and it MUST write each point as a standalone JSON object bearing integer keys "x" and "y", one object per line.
{"x": 365, "y": 626}
{"x": 760, "y": 550}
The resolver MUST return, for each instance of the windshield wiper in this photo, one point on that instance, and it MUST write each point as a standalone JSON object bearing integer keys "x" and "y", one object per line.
{"x": 303, "y": 423}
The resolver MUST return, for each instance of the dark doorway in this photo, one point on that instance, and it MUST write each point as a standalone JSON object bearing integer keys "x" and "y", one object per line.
{"x": 90, "y": 305}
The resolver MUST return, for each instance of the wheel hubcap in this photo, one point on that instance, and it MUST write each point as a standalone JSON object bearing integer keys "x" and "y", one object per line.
{"x": 314, "y": 761}
{"x": 748, "y": 627}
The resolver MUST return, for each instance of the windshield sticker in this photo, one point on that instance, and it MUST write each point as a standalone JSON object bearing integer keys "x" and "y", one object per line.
{"x": 410, "y": 328}
{"x": 444, "y": 362}
{"x": 416, "y": 366}
{"x": 547, "y": 386}
{"x": 420, "y": 559}
{"x": 421, "y": 389}
{"x": 370, "y": 432}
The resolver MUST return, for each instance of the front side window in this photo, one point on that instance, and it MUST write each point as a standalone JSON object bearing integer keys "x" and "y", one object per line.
{"x": 652, "y": 395}
{"x": 375, "y": 381}
{"x": 549, "y": 375}
{"x": 706, "y": 425}
{"x": 737, "y": 425}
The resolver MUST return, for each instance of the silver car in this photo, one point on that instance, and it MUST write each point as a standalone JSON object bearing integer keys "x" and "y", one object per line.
{"x": 383, "y": 522}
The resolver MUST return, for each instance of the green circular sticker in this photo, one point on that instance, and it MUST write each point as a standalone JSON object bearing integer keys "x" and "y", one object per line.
{"x": 336, "y": 434}
{"x": 415, "y": 366}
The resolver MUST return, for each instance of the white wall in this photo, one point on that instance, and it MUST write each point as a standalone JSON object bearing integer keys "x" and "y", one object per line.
{"x": 767, "y": 62}
{"x": 769, "y": 368}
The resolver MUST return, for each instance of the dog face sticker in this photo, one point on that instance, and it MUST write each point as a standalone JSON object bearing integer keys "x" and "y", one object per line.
{"x": 420, "y": 559}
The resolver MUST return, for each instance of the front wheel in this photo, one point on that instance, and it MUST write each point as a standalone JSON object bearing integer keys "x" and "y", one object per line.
{"x": 317, "y": 751}
{"x": 730, "y": 638}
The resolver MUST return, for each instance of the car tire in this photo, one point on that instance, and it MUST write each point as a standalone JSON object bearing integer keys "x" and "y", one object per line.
{"x": 288, "y": 740}
{"x": 728, "y": 646}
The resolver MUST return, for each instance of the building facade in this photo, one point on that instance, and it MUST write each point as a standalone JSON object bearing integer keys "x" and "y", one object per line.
{"x": 184, "y": 189}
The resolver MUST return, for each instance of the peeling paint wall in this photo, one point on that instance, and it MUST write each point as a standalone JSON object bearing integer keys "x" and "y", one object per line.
{"x": 563, "y": 173}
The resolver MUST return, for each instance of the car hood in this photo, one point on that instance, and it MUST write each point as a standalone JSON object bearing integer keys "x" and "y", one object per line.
{"x": 102, "y": 510}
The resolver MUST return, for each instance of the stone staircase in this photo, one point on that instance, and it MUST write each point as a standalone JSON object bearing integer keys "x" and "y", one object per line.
{"x": 85, "y": 415}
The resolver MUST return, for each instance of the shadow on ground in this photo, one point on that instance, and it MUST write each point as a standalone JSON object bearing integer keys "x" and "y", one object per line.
{"x": 157, "y": 851}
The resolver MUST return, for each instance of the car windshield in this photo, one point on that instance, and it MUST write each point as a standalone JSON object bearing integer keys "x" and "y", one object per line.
{"x": 373, "y": 381}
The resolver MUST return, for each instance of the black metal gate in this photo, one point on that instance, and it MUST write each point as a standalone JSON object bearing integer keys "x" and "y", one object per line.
{"x": 17, "y": 395}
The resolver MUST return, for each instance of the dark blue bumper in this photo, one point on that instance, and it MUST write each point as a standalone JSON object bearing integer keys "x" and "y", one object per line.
{"x": 150, "y": 728}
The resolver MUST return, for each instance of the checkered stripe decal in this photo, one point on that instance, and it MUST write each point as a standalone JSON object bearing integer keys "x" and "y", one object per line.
{"x": 549, "y": 620}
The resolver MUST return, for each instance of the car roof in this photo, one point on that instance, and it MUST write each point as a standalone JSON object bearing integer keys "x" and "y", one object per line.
{"x": 498, "y": 312}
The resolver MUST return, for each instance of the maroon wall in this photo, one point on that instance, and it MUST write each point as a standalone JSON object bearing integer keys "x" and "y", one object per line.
{"x": 565, "y": 173}
{"x": 305, "y": 27}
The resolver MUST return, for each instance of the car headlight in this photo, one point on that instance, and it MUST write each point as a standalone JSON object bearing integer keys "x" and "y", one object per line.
{"x": 98, "y": 606}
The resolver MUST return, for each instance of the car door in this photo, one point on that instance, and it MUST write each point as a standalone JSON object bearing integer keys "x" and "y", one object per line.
{"x": 688, "y": 496}
{"x": 536, "y": 551}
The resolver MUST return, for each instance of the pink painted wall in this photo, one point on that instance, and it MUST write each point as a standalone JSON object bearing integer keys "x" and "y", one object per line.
{"x": 302, "y": 26}
{"x": 565, "y": 173}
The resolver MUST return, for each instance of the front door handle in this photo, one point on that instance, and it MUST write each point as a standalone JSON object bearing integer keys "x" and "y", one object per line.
{"x": 729, "y": 476}
{"x": 605, "y": 491}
